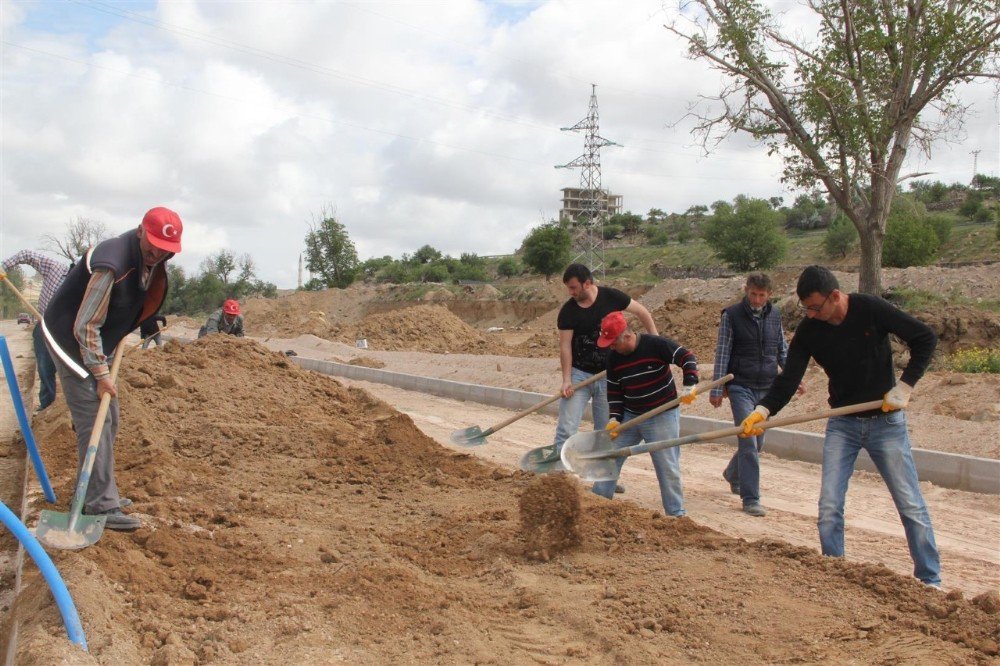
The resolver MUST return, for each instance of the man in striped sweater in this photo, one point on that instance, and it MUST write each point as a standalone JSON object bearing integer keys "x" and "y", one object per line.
{"x": 640, "y": 379}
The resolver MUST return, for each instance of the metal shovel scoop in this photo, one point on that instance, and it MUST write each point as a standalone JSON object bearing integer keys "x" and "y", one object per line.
{"x": 595, "y": 459}
{"x": 474, "y": 436}
{"x": 73, "y": 530}
{"x": 544, "y": 459}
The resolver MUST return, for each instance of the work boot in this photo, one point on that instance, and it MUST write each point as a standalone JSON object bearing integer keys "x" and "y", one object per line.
{"x": 619, "y": 488}
{"x": 755, "y": 510}
{"x": 119, "y": 520}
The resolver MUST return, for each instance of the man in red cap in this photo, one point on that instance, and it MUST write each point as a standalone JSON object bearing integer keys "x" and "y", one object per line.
{"x": 640, "y": 380}
{"x": 108, "y": 292}
{"x": 226, "y": 319}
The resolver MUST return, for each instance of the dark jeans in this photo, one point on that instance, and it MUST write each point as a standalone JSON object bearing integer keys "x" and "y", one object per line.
{"x": 744, "y": 467}
{"x": 46, "y": 368}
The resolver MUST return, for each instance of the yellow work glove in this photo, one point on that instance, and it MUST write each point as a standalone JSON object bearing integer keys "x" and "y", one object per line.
{"x": 688, "y": 394}
{"x": 3, "y": 274}
{"x": 896, "y": 398}
{"x": 612, "y": 428}
{"x": 749, "y": 425}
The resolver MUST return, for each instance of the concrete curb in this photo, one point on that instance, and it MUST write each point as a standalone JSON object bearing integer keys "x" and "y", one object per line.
{"x": 948, "y": 470}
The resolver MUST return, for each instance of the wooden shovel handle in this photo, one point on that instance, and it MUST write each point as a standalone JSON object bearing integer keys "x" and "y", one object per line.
{"x": 17, "y": 292}
{"x": 713, "y": 435}
{"x": 148, "y": 337}
{"x": 702, "y": 387}
{"x": 548, "y": 401}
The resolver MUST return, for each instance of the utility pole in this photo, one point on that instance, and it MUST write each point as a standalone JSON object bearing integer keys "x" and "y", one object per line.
{"x": 975, "y": 164}
{"x": 300, "y": 270}
{"x": 588, "y": 228}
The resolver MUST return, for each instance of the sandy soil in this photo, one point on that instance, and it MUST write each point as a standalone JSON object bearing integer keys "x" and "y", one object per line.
{"x": 288, "y": 519}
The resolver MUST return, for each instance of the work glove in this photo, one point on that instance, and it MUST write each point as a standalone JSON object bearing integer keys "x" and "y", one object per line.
{"x": 688, "y": 394}
{"x": 3, "y": 274}
{"x": 612, "y": 428}
{"x": 897, "y": 397}
{"x": 749, "y": 425}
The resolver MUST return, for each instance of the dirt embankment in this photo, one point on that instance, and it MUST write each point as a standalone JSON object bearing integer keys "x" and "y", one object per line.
{"x": 290, "y": 520}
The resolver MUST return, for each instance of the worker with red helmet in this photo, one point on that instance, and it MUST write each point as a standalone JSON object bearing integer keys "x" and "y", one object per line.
{"x": 226, "y": 319}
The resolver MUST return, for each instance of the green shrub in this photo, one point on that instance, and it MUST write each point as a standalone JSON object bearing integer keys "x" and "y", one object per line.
{"x": 942, "y": 225}
{"x": 508, "y": 267}
{"x": 840, "y": 238}
{"x": 909, "y": 242}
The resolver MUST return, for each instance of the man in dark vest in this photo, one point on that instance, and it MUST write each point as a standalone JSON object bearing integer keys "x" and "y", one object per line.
{"x": 115, "y": 285}
{"x": 752, "y": 347}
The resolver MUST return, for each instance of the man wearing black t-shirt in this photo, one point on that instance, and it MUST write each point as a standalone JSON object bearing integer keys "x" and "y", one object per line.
{"x": 847, "y": 335}
{"x": 579, "y": 326}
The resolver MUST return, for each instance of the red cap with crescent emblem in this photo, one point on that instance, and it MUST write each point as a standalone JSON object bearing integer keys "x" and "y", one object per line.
{"x": 231, "y": 307}
{"x": 163, "y": 229}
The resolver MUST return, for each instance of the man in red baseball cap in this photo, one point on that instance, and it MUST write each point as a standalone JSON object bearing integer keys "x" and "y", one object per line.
{"x": 226, "y": 319}
{"x": 106, "y": 295}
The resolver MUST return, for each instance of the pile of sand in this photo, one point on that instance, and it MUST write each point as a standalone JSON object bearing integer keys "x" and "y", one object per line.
{"x": 290, "y": 520}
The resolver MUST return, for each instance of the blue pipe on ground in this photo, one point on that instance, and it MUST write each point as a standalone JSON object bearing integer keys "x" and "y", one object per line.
{"x": 74, "y": 628}
{"x": 22, "y": 418}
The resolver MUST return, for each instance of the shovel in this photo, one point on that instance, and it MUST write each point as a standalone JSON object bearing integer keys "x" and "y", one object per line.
{"x": 547, "y": 459}
{"x": 73, "y": 530}
{"x": 473, "y": 436}
{"x": 595, "y": 459}
{"x": 149, "y": 337}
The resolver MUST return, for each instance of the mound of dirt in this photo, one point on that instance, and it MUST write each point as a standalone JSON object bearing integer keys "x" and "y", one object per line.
{"x": 287, "y": 519}
{"x": 694, "y": 325}
{"x": 425, "y": 327}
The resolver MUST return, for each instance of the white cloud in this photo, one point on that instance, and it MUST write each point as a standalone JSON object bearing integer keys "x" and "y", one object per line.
{"x": 418, "y": 124}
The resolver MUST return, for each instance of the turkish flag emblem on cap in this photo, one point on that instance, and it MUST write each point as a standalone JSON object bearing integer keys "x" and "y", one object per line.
{"x": 163, "y": 229}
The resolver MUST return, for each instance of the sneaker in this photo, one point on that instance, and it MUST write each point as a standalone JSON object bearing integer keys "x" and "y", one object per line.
{"x": 755, "y": 510}
{"x": 619, "y": 488}
{"x": 118, "y": 520}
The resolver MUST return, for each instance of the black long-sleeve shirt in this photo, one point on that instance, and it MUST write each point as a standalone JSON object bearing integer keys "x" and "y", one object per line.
{"x": 642, "y": 380}
{"x": 855, "y": 354}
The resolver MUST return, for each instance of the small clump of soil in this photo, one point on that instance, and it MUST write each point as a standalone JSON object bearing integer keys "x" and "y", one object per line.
{"x": 550, "y": 516}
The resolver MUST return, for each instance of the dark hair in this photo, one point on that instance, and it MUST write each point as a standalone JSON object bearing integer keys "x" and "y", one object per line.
{"x": 816, "y": 279}
{"x": 578, "y": 271}
{"x": 760, "y": 281}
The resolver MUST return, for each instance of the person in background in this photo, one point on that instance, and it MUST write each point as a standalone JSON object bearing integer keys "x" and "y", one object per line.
{"x": 53, "y": 273}
{"x": 579, "y": 324}
{"x": 149, "y": 330}
{"x": 751, "y": 345}
{"x": 226, "y": 319}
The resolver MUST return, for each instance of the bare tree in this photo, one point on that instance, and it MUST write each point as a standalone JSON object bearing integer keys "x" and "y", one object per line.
{"x": 81, "y": 234}
{"x": 843, "y": 107}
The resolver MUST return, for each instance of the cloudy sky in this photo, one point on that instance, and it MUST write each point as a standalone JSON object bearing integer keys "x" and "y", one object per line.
{"x": 415, "y": 122}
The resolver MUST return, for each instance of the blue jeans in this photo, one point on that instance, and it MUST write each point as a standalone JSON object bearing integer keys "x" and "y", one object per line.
{"x": 666, "y": 462}
{"x": 571, "y": 409}
{"x": 885, "y": 439}
{"x": 744, "y": 466}
{"x": 46, "y": 369}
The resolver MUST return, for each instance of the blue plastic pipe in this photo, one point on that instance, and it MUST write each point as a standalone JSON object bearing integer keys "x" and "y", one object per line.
{"x": 22, "y": 418}
{"x": 74, "y": 629}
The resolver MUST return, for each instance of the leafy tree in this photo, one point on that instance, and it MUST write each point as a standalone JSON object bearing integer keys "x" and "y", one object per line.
{"x": 370, "y": 267}
{"x": 746, "y": 235}
{"x": 611, "y": 231}
{"x": 909, "y": 242}
{"x": 508, "y": 267}
{"x": 545, "y": 249}
{"x": 330, "y": 253}
{"x": 426, "y": 255}
{"x": 395, "y": 273}
{"x": 840, "y": 238}
{"x": 842, "y": 107}
{"x": 628, "y": 223}
{"x": 436, "y": 272}
{"x": 988, "y": 184}
{"x": 81, "y": 234}
{"x": 656, "y": 215}
{"x": 10, "y": 304}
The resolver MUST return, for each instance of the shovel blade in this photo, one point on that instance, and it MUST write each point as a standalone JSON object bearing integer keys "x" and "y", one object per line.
{"x": 542, "y": 460}
{"x": 54, "y": 530}
{"x": 471, "y": 436}
{"x": 576, "y": 452}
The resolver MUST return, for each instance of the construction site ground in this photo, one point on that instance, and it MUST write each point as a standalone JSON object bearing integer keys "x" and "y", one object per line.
{"x": 292, "y": 518}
